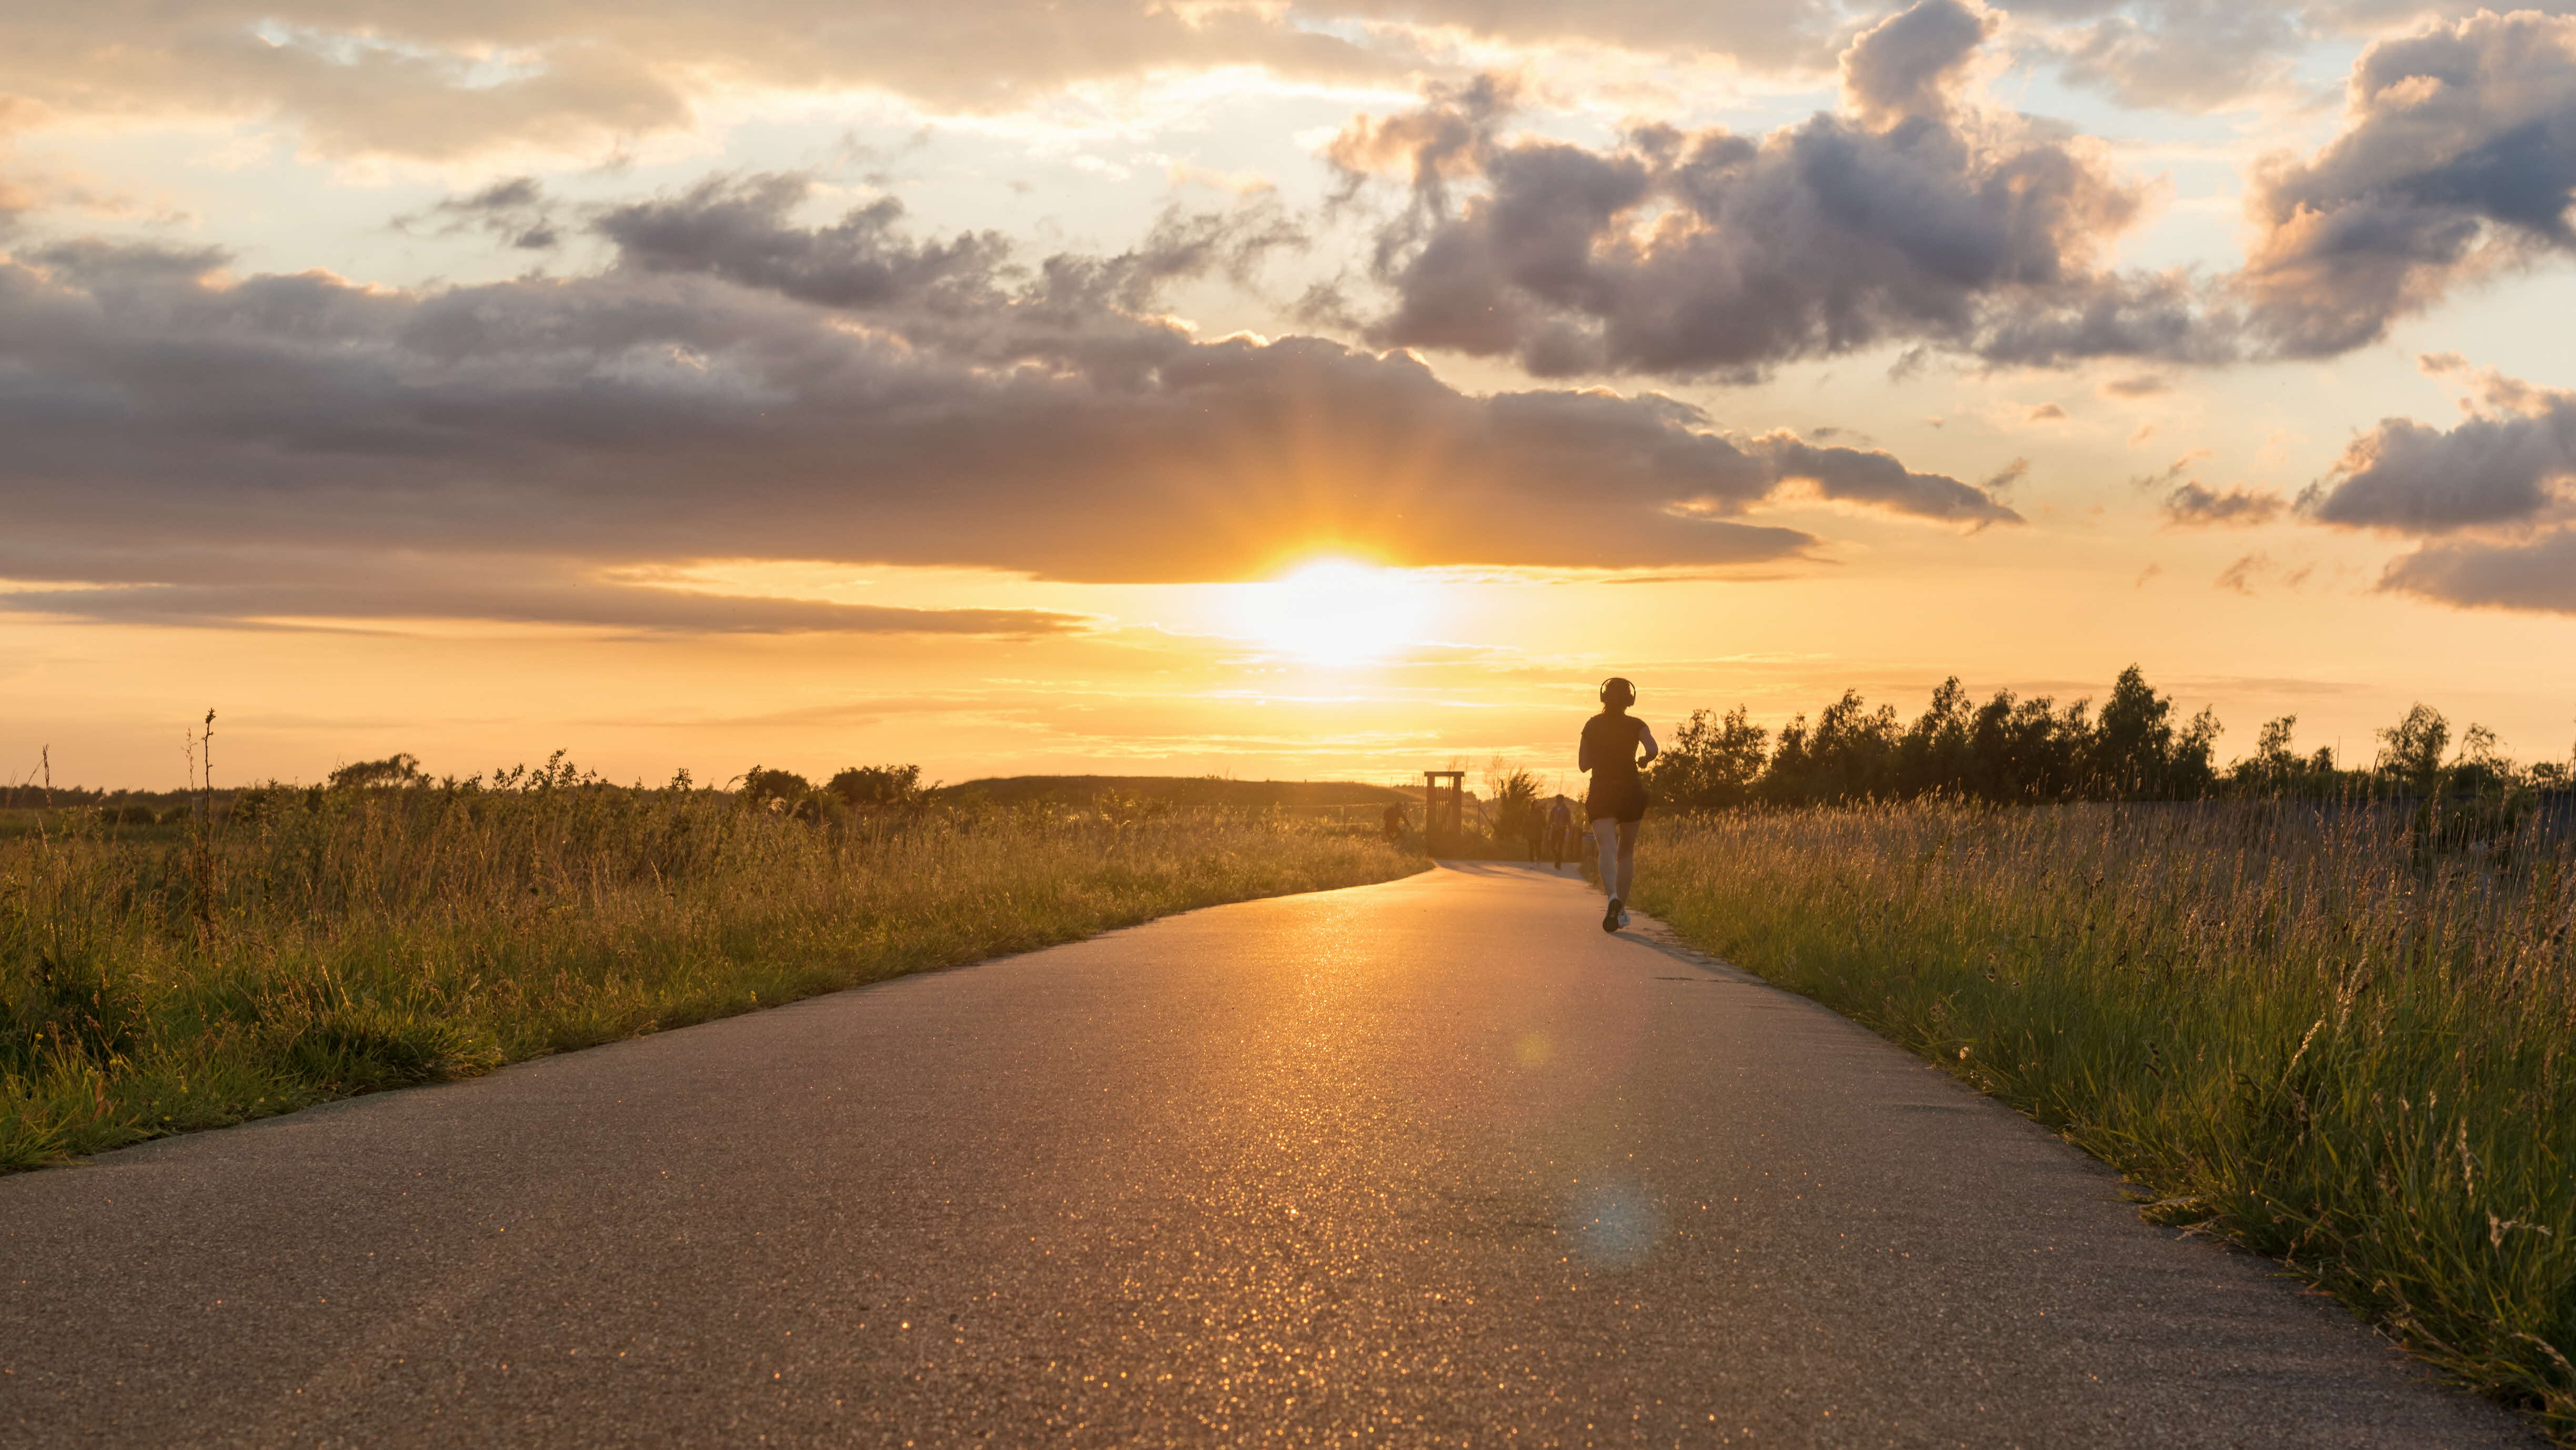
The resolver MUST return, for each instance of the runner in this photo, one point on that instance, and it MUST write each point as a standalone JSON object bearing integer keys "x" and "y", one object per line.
{"x": 1560, "y": 829}
{"x": 1616, "y": 801}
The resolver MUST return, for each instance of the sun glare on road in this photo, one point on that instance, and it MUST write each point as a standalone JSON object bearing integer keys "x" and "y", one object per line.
{"x": 1333, "y": 611}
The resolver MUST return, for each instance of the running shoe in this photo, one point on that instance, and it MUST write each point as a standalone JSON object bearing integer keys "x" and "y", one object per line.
{"x": 1623, "y": 918}
{"x": 1615, "y": 917}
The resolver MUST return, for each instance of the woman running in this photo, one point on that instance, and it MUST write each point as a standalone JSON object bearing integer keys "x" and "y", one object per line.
{"x": 1616, "y": 801}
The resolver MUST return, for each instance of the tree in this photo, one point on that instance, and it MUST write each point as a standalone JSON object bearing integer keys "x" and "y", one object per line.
{"x": 1934, "y": 754}
{"x": 2133, "y": 744}
{"x": 2274, "y": 768}
{"x": 1853, "y": 752}
{"x": 1710, "y": 762}
{"x": 774, "y": 790}
{"x": 2480, "y": 767}
{"x": 2028, "y": 750}
{"x": 2190, "y": 773}
{"x": 1514, "y": 794}
{"x": 2410, "y": 751}
{"x": 398, "y": 769}
{"x": 1788, "y": 778}
{"x": 876, "y": 787}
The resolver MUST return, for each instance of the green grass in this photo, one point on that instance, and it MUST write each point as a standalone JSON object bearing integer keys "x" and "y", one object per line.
{"x": 2294, "y": 1029}
{"x": 329, "y": 943}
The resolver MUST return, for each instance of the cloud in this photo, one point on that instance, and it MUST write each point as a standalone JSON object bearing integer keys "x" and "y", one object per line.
{"x": 2240, "y": 576}
{"x": 2172, "y": 473}
{"x": 736, "y": 384}
{"x": 2457, "y": 158}
{"x": 1849, "y": 475}
{"x": 2534, "y": 574}
{"x": 255, "y": 586}
{"x": 1769, "y": 35}
{"x": 2507, "y": 465}
{"x": 438, "y": 81}
{"x": 418, "y": 79}
{"x": 515, "y": 211}
{"x": 1715, "y": 254}
{"x": 2190, "y": 55}
{"x": 2136, "y": 385}
{"x": 1912, "y": 63}
{"x": 738, "y": 229}
{"x": 2193, "y": 506}
{"x": 2493, "y": 496}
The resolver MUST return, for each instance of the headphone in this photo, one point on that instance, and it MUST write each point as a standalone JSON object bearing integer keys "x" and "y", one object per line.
{"x": 1617, "y": 691}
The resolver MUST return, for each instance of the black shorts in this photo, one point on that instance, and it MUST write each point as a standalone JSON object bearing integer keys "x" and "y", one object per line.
{"x": 1621, "y": 801}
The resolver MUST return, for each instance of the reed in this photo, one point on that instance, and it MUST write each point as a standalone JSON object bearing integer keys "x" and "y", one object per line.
{"x": 327, "y": 942}
{"x": 2337, "y": 1036}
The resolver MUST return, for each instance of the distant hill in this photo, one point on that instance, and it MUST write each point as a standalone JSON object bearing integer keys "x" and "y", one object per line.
{"x": 1178, "y": 790}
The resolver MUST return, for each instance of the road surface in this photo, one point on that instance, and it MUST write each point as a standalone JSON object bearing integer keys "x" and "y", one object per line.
{"x": 1428, "y": 1163}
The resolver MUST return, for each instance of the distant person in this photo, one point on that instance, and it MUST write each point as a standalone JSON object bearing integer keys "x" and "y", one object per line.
{"x": 1560, "y": 829}
{"x": 1393, "y": 823}
{"x": 1533, "y": 831}
{"x": 1616, "y": 801}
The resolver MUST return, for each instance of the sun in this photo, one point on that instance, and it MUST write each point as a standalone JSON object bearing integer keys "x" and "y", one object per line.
{"x": 1333, "y": 611}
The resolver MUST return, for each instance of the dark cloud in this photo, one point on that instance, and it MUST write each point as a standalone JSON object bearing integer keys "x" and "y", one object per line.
{"x": 1848, "y": 475}
{"x": 2535, "y": 574}
{"x": 1910, "y": 64}
{"x": 2196, "y": 506}
{"x": 2493, "y": 495}
{"x": 663, "y": 611}
{"x": 735, "y": 385}
{"x": 2457, "y": 157}
{"x": 516, "y": 211}
{"x": 738, "y": 229}
{"x": 2139, "y": 385}
{"x": 2493, "y": 469}
{"x": 253, "y": 584}
{"x": 1720, "y": 255}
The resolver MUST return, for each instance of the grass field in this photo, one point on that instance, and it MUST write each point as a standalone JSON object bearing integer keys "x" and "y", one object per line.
{"x": 156, "y": 978}
{"x": 2319, "y": 1033}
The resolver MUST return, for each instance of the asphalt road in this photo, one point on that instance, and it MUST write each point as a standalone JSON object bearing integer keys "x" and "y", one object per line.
{"x": 1433, "y": 1162}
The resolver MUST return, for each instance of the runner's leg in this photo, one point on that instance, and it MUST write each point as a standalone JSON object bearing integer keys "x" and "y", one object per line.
{"x": 1605, "y": 835}
{"x": 1627, "y": 859}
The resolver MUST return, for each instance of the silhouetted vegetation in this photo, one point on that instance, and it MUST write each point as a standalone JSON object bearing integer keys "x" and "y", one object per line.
{"x": 2137, "y": 747}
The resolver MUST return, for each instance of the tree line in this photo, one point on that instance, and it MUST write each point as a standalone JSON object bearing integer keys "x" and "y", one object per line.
{"x": 2136, "y": 747}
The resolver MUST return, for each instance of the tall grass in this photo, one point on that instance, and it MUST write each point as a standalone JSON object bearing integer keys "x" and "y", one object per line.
{"x": 324, "y": 943}
{"x": 2313, "y": 1031}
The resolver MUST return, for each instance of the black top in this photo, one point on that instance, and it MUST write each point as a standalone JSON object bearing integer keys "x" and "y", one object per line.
{"x": 1610, "y": 742}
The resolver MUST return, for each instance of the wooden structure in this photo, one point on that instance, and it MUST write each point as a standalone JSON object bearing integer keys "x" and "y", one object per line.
{"x": 1444, "y": 809}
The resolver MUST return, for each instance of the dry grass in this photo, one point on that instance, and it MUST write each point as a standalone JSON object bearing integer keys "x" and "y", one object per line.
{"x": 327, "y": 943}
{"x": 2311, "y": 1031}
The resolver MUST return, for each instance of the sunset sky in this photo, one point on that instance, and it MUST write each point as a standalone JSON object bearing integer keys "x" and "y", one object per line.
{"x": 1268, "y": 389}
